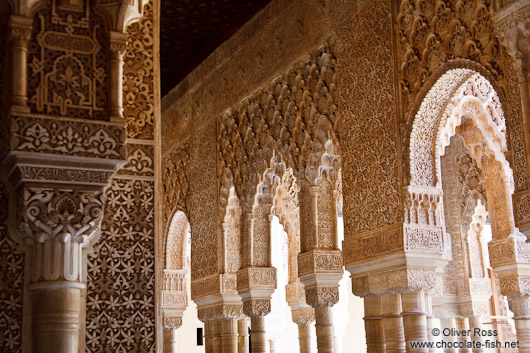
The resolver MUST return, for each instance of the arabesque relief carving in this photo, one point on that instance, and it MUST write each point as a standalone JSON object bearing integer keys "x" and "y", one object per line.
{"x": 68, "y": 63}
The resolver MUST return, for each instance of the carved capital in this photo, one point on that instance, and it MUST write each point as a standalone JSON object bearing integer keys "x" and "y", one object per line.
{"x": 57, "y": 224}
{"x": 172, "y": 322}
{"x": 118, "y": 42}
{"x": 256, "y": 307}
{"x": 320, "y": 261}
{"x": 20, "y": 30}
{"x": 256, "y": 278}
{"x": 322, "y": 296}
{"x": 303, "y": 316}
{"x": 295, "y": 294}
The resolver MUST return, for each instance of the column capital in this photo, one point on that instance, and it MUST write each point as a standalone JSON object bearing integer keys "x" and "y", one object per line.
{"x": 302, "y": 316}
{"x": 20, "y": 29}
{"x": 118, "y": 42}
{"x": 172, "y": 322}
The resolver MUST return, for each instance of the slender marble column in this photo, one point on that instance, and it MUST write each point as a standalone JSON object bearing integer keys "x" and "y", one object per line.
{"x": 209, "y": 336}
{"x": 217, "y": 336}
{"x": 242, "y": 328}
{"x": 228, "y": 335}
{"x": 462, "y": 325}
{"x": 272, "y": 346}
{"x": 304, "y": 337}
{"x": 393, "y": 323}
{"x": 475, "y": 322}
{"x": 20, "y": 34}
{"x": 170, "y": 340}
{"x": 373, "y": 323}
{"x": 257, "y": 331}
{"x": 520, "y": 306}
{"x": 324, "y": 328}
{"x": 56, "y": 314}
{"x": 414, "y": 319}
{"x": 430, "y": 319}
{"x": 448, "y": 323}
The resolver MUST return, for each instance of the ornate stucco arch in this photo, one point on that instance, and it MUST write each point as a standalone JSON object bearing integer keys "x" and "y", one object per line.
{"x": 174, "y": 291}
{"x": 464, "y": 102}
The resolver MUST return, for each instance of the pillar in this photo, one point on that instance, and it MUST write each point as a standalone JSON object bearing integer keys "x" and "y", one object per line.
{"x": 228, "y": 335}
{"x": 56, "y": 314}
{"x": 20, "y": 28}
{"x": 272, "y": 346}
{"x": 304, "y": 337}
{"x": 242, "y": 329}
{"x": 520, "y": 306}
{"x": 320, "y": 262}
{"x": 393, "y": 323}
{"x": 430, "y": 319}
{"x": 461, "y": 325}
{"x": 476, "y": 322}
{"x": 324, "y": 328}
{"x": 414, "y": 319}
{"x": 209, "y": 336}
{"x": 257, "y": 330}
{"x": 118, "y": 45}
{"x": 373, "y": 323}
{"x": 170, "y": 340}
{"x": 448, "y": 323}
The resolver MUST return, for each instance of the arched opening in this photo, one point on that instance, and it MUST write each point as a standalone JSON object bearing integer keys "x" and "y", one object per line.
{"x": 176, "y": 275}
{"x": 457, "y": 151}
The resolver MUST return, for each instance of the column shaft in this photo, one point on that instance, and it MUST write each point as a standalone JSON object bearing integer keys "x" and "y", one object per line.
{"x": 259, "y": 340}
{"x": 393, "y": 323}
{"x": 228, "y": 335}
{"x": 414, "y": 319}
{"x": 520, "y": 306}
{"x": 208, "y": 336}
{"x": 462, "y": 325}
{"x": 475, "y": 322}
{"x": 448, "y": 323}
{"x": 324, "y": 328}
{"x": 217, "y": 336}
{"x": 304, "y": 338}
{"x": 170, "y": 340}
{"x": 373, "y": 323}
{"x": 56, "y": 313}
{"x": 242, "y": 328}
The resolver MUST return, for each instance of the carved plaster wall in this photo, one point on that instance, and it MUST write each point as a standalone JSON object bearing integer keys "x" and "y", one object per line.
{"x": 121, "y": 270}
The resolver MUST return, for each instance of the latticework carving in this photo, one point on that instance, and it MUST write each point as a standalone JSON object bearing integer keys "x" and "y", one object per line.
{"x": 121, "y": 269}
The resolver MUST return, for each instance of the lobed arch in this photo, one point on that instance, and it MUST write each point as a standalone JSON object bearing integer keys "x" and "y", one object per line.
{"x": 175, "y": 241}
{"x": 462, "y": 101}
